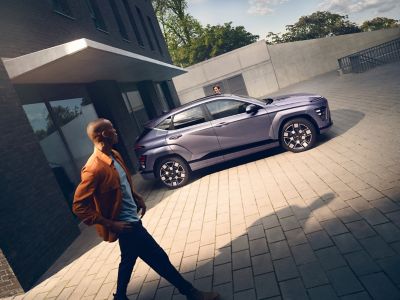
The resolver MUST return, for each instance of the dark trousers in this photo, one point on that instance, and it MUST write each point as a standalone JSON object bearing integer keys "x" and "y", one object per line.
{"x": 139, "y": 243}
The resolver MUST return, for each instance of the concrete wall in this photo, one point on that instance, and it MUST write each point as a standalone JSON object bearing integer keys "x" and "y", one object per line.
{"x": 266, "y": 68}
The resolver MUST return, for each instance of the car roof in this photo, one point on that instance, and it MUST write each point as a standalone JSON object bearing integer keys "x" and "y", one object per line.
{"x": 154, "y": 122}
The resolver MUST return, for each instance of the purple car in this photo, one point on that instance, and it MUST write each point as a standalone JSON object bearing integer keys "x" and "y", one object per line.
{"x": 218, "y": 128}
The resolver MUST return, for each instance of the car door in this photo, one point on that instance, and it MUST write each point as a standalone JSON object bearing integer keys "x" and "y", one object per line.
{"x": 193, "y": 137}
{"x": 237, "y": 130}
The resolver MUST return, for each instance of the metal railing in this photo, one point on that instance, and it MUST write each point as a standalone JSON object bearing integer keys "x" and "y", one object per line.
{"x": 370, "y": 58}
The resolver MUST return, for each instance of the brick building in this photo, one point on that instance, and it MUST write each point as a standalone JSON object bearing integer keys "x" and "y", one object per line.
{"x": 64, "y": 63}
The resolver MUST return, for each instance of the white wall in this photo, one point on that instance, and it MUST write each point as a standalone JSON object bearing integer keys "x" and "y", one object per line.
{"x": 266, "y": 68}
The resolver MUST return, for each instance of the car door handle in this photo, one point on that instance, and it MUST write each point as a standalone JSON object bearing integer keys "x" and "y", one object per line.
{"x": 222, "y": 124}
{"x": 175, "y": 137}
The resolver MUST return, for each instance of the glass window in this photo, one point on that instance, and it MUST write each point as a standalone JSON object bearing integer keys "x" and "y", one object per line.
{"x": 133, "y": 22}
{"x": 146, "y": 32}
{"x": 118, "y": 18}
{"x": 165, "y": 125}
{"x": 154, "y": 34}
{"x": 189, "y": 117}
{"x": 62, "y": 7}
{"x": 225, "y": 108}
{"x": 134, "y": 104}
{"x": 72, "y": 117}
{"x": 96, "y": 15}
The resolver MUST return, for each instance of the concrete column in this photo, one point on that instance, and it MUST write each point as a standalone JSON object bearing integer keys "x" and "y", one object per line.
{"x": 150, "y": 98}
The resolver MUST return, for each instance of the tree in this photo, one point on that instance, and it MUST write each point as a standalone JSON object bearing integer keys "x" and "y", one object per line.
{"x": 317, "y": 25}
{"x": 379, "y": 23}
{"x": 188, "y": 42}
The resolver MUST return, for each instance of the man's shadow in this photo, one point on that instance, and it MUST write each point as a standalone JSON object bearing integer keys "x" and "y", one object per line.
{"x": 267, "y": 251}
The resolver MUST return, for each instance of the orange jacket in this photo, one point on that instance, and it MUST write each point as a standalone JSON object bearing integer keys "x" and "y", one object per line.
{"x": 99, "y": 195}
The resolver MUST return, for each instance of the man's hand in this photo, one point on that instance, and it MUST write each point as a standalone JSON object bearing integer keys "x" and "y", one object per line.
{"x": 120, "y": 226}
{"x": 141, "y": 204}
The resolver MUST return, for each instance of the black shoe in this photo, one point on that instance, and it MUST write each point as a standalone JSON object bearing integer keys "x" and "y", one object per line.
{"x": 124, "y": 297}
{"x": 200, "y": 295}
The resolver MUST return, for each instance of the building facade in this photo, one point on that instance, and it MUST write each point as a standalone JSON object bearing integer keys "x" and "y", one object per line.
{"x": 64, "y": 63}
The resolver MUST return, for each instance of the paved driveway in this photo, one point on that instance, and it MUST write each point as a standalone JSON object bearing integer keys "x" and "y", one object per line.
{"x": 323, "y": 224}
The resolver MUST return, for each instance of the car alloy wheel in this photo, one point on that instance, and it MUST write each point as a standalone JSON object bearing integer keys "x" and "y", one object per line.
{"x": 173, "y": 172}
{"x": 298, "y": 135}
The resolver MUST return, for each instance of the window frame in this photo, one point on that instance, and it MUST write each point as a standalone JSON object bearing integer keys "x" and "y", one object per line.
{"x": 202, "y": 108}
{"x": 68, "y": 14}
{"x": 96, "y": 15}
{"x": 118, "y": 18}
{"x": 224, "y": 99}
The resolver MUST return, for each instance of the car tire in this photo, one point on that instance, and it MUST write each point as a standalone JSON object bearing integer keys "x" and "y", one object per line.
{"x": 173, "y": 172}
{"x": 298, "y": 135}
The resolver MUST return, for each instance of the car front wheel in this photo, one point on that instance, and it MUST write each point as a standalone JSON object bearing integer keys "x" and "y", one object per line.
{"x": 298, "y": 135}
{"x": 173, "y": 172}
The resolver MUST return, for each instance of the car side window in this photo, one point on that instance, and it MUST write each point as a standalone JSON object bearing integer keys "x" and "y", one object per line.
{"x": 225, "y": 108}
{"x": 165, "y": 125}
{"x": 190, "y": 117}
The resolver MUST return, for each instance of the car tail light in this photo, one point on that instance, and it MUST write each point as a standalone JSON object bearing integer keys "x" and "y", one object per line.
{"x": 138, "y": 147}
{"x": 142, "y": 161}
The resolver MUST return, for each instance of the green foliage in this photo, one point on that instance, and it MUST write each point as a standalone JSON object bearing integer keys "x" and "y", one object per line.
{"x": 379, "y": 23}
{"x": 189, "y": 42}
{"x": 317, "y": 25}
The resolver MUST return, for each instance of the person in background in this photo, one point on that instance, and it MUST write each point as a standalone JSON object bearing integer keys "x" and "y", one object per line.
{"x": 106, "y": 198}
{"x": 217, "y": 90}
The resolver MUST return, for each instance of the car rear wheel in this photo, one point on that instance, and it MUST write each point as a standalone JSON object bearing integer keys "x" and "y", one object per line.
{"x": 173, "y": 172}
{"x": 298, "y": 135}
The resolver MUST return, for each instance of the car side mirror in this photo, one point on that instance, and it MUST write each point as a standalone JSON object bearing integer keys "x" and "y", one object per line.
{"x": 252, "y": 108}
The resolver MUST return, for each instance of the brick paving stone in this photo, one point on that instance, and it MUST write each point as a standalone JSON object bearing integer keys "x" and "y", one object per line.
{"x": 274, "y": 234}
{"x": 370, "y": 194}
{"x": 241, "y": 259}
{"x": 225, "y": 290}
{"x": 289, "y": 223}
{"x": 310, "y": 225}
{"x": 223, "y": 256}
{"x": 325, "y": 292}
{"x": 293, "y": 289}
{"x": 266, "y": 286}
{"x": 391, "y": 266}
{"x": 380, "y": 287}
{"x": 284, "y": 212}
{"x": 373, "y": 216}
{"x": 346, "y": 243}
{"x": 377, "y": 247}
{"x": 222, "y": 274}
{"x": 334, "y": 227}
{"x": 319, "y": 239}
{"x": 394, "y": 217}
{"x": 164, "y": 293}
{"x": 357, "y": 296}
{"x": 330, "y": 258}
{"x": 343, "y": 281}
{"x": 361, "y": 263}
{"x": 303, "y": 254}
{"x": 361, "y": 229}
{"x": 385, "y": 205}
{"x": 240, "y": 243}
{"x": 285, "y": 269}
{"x": 245, "y": 295}
{"x": 258, "y": 246}
{"x": 262, "y": 264}
{"x": 279, "y": 250}
{"x": 388, "y": 231}
{"x": 313, "y": 275}
{"x": 242, "y": 279}
{"x": 348, "y": 215}
{"x": 296, "y": 237}
{"x": 204, "y": 268}
{"x": 270, "y": 221}
{"x": 359, "y": 204}
{"x": 256, "y": 232}
{"x": 393, "y": 193}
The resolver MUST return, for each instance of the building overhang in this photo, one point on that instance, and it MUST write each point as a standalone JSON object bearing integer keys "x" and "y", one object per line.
{"x": 83, "y": 61}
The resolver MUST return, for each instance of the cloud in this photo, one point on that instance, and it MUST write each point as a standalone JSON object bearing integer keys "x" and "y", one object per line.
{"x": 355, "y": 6}
{"x": 262, "y": 7}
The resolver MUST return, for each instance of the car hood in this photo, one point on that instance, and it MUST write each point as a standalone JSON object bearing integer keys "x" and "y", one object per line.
{"x": 293, "y": 99}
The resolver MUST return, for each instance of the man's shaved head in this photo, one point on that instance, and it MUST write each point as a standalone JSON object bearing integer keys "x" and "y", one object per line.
{"x": 96, "y": 127}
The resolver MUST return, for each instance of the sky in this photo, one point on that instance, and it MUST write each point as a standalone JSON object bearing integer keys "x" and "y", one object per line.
{"x": 262, "y": 16}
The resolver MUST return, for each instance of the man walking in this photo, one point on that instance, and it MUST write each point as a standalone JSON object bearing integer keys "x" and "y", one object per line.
{"x": 106, "y": 197}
